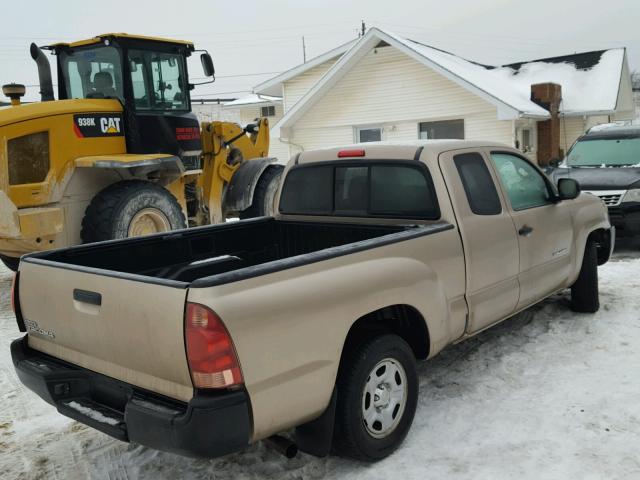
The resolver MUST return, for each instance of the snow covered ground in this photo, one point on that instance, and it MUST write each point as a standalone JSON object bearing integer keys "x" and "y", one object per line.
{"x": 548, "y": 394}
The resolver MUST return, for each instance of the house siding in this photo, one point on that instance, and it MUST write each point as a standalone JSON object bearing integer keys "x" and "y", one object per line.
{"x": 390, "y": 89}
{"x": 249, "y": 113}
{"x": 570, "y": 129}
{"x": 294, "y": 89}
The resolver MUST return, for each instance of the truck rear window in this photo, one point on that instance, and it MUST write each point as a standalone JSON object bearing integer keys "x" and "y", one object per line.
{"x": 387, "y": 190}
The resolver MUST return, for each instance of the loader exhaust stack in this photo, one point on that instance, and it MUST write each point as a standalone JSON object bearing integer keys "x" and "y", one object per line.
{"x": 44, "y": 73}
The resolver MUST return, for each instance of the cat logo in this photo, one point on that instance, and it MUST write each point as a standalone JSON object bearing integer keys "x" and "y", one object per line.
{"x": 110, "y": 125}
{"x": 98, "y": 125}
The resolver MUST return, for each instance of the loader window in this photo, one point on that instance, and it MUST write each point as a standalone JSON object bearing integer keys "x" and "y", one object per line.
{"x": 159, "y": 80}
{"x": 92, "y": 73}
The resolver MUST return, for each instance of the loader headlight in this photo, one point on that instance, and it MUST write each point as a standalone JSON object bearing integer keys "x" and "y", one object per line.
{"x": 632, "y": 195}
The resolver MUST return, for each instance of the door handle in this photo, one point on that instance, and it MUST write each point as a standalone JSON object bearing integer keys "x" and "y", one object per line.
{"x": 525, "y": 231}
{"x": 85, "y": 296}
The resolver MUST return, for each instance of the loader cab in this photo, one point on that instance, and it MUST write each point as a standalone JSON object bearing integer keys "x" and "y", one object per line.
{"x": 149, "y": 77}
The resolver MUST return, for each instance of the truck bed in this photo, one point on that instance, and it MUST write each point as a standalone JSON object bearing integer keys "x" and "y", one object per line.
{"x": 210, "y": 255}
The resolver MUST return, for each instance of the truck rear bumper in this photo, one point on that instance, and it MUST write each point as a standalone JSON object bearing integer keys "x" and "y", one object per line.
{"x": 208, "y": 426}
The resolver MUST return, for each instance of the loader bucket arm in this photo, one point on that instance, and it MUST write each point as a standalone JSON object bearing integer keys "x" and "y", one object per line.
{"x": 225, "y": 146}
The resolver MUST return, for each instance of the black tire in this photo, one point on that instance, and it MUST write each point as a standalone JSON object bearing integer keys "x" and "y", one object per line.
{"x": 264, "y": 194}
{"x": 352, "y": 438}
{"x": 111, "y": 211}
{"x": 11, "y": 263}
{"x": 584, "y": 293}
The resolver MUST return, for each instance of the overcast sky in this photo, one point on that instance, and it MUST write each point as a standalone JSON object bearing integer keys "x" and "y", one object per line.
{"x": 252, "y": 40}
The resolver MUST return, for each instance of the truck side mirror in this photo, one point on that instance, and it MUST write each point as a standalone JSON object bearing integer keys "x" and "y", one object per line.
{"x": 568, "y": 188}
{"x": 207, "y": 65}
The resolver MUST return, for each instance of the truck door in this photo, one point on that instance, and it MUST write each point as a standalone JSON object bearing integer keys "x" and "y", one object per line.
{"x": 488, "y": 235}
{"x": 544, "y": 226}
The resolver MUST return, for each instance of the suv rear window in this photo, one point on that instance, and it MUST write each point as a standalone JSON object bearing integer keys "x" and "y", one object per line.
{"x": 376, "y": 189}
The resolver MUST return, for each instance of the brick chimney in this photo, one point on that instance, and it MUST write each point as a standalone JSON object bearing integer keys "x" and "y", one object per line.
{"x": 548, "y": 96}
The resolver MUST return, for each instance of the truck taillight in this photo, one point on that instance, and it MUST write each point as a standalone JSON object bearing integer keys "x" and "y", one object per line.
{"x": 212, "y": 357}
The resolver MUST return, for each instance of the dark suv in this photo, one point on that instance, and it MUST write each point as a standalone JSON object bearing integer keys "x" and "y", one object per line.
{"x": 606, "y": 162}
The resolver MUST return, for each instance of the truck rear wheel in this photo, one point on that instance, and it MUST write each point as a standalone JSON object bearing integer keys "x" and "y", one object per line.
{"x": 584, "y": 293}
{"x": 131, "y": 209}
{"x": 264, "y": 195}
{"x": 377, "y": 398}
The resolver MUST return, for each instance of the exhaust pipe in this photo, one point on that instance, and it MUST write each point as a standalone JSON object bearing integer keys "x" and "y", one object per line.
{"x": 44, "y": 73}
{"x": 283, "y": 445}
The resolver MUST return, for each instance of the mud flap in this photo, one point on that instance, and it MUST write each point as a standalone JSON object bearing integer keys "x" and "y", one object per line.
{"x": 315, "y": 437}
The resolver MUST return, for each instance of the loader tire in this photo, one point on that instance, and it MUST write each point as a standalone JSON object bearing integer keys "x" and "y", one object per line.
{"x": 131, "y": 208}
{"x": 584, "y": 293}
{"x": 264, "y": 195}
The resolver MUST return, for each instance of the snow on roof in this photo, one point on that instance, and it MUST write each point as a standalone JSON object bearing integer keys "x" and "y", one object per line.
{"x": 587, "y": 86}
{"x": 591, "y": 89}
{"x": 590, "y": 81}
{"x": 477, "y": 75}
{"x": 252, "y": 100}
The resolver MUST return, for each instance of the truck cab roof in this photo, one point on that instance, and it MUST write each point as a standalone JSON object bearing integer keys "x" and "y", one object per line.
{"x": 391, "y": 150}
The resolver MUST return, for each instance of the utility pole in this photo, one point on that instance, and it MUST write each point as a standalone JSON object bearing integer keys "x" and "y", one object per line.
{"x": 304, "y": 52}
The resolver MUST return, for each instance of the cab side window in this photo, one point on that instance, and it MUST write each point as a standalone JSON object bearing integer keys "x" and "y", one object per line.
{"x": 158, "y": 80}
{"x": 92, "y": 73}
{"x": 478, "y": 185}
{"x": 525, "y": 186}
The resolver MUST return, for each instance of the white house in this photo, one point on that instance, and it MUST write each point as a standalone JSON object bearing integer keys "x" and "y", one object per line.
{"x": 385, "y": 87}
{"x": 244, "y": 111}
{"x": 211, "y": 109}
{"x": 247, "y": 109}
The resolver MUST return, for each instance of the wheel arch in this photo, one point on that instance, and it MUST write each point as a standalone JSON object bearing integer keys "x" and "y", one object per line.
{"x": 401, "y": 319}
{"x": 156, "y": 168}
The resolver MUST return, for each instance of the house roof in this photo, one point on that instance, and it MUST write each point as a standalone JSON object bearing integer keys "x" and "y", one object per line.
{"x": 273, "y": 86}
{"x": 253, "y": 100}
{"x": 590, "y": 81}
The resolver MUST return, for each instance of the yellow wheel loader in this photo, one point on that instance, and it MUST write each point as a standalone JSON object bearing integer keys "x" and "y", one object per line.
{"x": 120, "y": 153}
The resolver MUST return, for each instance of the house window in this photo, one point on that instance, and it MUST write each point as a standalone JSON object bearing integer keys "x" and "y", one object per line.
{"x": 368, "y": 134}
{"x": 441, "y": 129}
{"x": 269, "y": 111}
{"x": 526, "y": 140}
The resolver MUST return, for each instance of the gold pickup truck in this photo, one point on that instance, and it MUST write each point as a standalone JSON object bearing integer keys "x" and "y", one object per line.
{"x": 206, "y": 340}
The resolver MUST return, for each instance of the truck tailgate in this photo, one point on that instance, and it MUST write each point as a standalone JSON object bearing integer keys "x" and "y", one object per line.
{"x": 125, "y": 329}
